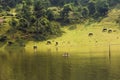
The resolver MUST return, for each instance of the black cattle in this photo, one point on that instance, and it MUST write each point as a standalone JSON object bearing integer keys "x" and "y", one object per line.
{"x": 104, "y": 30}
{"x": 34, "y": 47}
{"x": 10, "y": 43}
{"x": 90, "y": 34}
{"x": 48, "y": 42}
{"x": 110, "y": 31}
{"x": 56, "y": 43}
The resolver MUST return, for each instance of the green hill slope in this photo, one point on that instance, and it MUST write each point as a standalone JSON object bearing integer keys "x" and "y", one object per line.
{"x": 79, "y": 40}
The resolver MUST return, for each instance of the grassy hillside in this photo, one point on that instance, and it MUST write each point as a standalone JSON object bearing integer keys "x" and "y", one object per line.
{"x": 78, "y": 40}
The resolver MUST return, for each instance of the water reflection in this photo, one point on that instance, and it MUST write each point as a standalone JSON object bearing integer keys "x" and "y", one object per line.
{"x": 42, "y": 66}
{"x": 66, "y": 68}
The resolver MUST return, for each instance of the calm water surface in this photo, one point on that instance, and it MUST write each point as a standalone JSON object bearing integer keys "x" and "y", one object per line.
{"x": 53, "y": 66}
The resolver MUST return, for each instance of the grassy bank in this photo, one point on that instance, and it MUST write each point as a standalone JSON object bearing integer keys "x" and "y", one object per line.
{"x": 79, "y": 40}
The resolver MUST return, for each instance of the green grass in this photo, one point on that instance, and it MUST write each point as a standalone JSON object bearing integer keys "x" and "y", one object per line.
{"x": 78, "y": 40}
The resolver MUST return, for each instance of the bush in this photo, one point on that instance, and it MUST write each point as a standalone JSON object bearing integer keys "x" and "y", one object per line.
{"x": 3, "y": 38}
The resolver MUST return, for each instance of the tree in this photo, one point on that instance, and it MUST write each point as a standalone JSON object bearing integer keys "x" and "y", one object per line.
{"x": 39, "y": 9}
{"x": 41, "y": 24}
{"x": 85, "y": 12}
{"x": 92, "y": 8}
{"x": 1, "y": 8}
{"x": 102, "y": 8}
{"x": 43, "y": 28}
{"x": 24, "y": 25}
{"x": 65, "y": 12}
{"x": 58, "y": 2}
{"x": 14, "y": 24}
{"x": 50, "y": 15}
{"x": 84, "y": 2}
{"x": 29, "y": 2}
{"x": 66, "y": 9}
{"x": 113, "y": 2}
{"x": 10, "y": 3}
{"x": 55, "y": 28}
{"x": 26, "y": 12}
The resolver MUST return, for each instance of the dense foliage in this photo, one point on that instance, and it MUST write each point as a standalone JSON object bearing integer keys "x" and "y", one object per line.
{"x": 42, "y": 19}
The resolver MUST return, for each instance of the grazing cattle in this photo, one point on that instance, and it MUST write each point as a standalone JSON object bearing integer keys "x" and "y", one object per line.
{"x": 90, "y": 34}
{"x": 48, "y": 42}
{"x": 56, "y": 43}
{"x": 10, "y": 43}
{"x": 34, "y": 47}
{"x": 110, "y": 31}
{"x": 104, "y": 30}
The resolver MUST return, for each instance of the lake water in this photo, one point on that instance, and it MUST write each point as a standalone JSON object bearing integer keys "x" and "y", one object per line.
{"x": 53, "y": 66}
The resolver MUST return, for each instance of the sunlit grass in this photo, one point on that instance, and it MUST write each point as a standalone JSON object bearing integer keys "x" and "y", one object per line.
{"x": 78, "y": 40}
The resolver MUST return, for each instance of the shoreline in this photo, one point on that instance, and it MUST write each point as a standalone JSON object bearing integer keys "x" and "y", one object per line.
{"x": 91, "y": 47}
{"x": 42, "y": 47}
